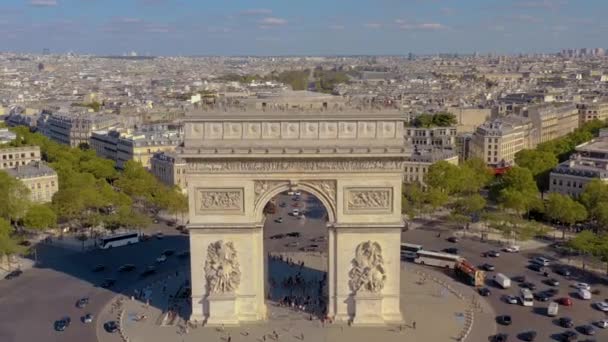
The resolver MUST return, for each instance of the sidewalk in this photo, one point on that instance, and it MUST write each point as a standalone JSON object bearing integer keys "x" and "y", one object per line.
{"x": 440, "y": 315}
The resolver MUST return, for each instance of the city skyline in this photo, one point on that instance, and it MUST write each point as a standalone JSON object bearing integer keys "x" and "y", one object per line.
{"x": 385, "y": 27}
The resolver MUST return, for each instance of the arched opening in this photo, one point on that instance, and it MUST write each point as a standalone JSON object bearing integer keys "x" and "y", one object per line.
{"x": 295, "y": 239}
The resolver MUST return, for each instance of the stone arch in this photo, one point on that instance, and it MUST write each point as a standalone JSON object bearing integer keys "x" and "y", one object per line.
{"x": 308, "y": 186}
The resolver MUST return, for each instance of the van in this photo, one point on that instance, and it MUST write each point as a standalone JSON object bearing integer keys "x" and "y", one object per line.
{"x": 552, "y": 309}
{"x": 502, "y": 280}
{"x": 541, "y": 261}
{"x": 584, "y": 294}
{"x": 527, "y": 299}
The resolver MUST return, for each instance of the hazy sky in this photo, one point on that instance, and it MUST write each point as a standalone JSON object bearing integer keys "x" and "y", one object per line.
{"x": 283, "y": 27}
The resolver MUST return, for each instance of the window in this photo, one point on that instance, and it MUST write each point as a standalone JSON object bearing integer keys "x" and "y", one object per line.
{"x": 554, "y": 181}
{"x": 32, "y": 155}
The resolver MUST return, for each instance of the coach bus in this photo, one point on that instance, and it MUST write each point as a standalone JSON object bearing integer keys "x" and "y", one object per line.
{"x": 438, "y": 259}
{"x": 410, "y": 247}
{"x": 118, "y": 240}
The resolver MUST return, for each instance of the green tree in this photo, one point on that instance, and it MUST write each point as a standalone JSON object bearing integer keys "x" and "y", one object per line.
{"x": 584, "y": 242}
{"x": 517, "y": 191}
{"x": 540, "y": 163}
{"x": 413, "y": 199}
{"x": 40, "y": 216}
{"x": 564, "y": 209}
{"x": 475, "y": 175}
{"x": 14, "y": 197}
{"x": 9, "y": 246}
{"x": 444, "y": 176}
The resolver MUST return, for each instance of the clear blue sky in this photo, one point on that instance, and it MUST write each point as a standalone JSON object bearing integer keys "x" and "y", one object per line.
{"x": 312, "y": 27}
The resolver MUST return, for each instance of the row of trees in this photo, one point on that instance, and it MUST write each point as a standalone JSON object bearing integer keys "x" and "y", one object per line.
{"x": 91, "y": 191}
{"x": 591, "y": 244}
{"x": 435, "y": 120}
{"x": 547, "y": 155}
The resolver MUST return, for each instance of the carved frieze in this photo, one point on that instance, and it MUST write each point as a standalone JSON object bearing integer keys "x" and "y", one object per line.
{"x": 260, "y": 187}
{"x": 214, "y": 200}
{"x": 222, "y": 270}
{"x": 371, "y": 200}
{"x": 296, "y": 166}
{"x": 326, "y": 187}
{"x": 367, "y": 273}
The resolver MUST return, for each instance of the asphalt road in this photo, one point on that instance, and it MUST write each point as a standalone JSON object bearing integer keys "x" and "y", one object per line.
{"x": 32, "y": 302}
{"x": 515, "y": 264}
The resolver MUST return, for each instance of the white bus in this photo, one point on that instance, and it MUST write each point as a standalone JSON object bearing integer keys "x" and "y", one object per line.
{"x": 437, "y": 259}
{"x": 527, "y": 299}
{"x": 410, "y": 247}
{"x": 118, "y": 240}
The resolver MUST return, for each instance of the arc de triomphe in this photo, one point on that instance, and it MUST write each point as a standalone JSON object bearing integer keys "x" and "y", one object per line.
{"x": 352, "y": 162}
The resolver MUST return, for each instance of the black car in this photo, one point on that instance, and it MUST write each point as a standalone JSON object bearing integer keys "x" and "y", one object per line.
{"x": 565, "y": 322}
{"x": 500, "y": 338}
{"x": 568, "y": 336}
{"x": 563, "y": 271}
{"x": 487, "y": 267}
{"x": 13, "y": 274}
{"x": 126, "y": 268}
{"x": 536, "y": 267}
{"x": 504, "y": 320}
{"x": 453, "y": 239}
{"x": 541, "y": 296}
{"x": 82, "y": 302}
{"x": 484, "y": 291}
{"x": 451, "y": 250}
{"x": 168, "y": 252}
{"x": 111, "y": 326}
{"x": 551, "y": 292}
{"x": 99, "y": 268}
{"x": 528, "y": 285}
{"x": 519, "y": 279}
{"x": 528, "y": 335}
{"x": 107, "y": 283}
{"x": 277, "y": 236}
{"x": 552, "y": 282}
{"x": 293, "y": 234}
{"x": 493, "y": 254}
{"x": 62, "y": 324}
{"x": 587, "y": 330}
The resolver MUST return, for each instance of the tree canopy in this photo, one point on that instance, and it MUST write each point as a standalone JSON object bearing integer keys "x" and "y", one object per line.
{"x": 435, "y": 120}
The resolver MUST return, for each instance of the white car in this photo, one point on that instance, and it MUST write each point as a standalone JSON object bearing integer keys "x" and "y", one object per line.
{"x": 602, "y": 306}
{"x": 161, "y": 258}
{"x": 512, "y": 249}
{"x": 602, "y": 323}
{"x": 584, "y": 294}
{"x": 582, "y": 286}
{"x": 511, "y": 299}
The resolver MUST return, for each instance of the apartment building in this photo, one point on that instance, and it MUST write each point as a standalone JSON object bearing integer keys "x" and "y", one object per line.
{"x": 12, "y": 157}
{"x": 418, "y": 163}
{"x": 553, "y": 120}
{"x": 105, "y": 143}
{"x": 498, "y": 140}
{"x": 169, "y": 168}
{"x": 39, "y": 178}
{"x": 6, "y": 136}
{"x": 463, "y": 145}
{"x": 592, "y": 111}
{"x": 590, "y": 161}
{"x": 141, "y": 146}
{"x": 432, "y": 136}
{"x": 75, "y": 129}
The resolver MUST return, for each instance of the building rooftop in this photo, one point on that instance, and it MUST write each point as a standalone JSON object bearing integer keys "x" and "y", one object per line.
{"x": 31, "y": 170}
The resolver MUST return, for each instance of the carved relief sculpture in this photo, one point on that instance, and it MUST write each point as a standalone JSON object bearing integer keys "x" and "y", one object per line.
{"x": 222, "y": 268}
{"x": 327, "y": 188}
{"x": 368, "y": 273}
{"x": 296, "y": 165}
{"x": 369, "y": 199}
{"x": 220, "y": 200}
{"x": 262, "y": 186}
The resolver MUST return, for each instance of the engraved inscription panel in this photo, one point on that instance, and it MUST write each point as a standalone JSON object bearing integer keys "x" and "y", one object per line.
{"x": 219, "y": 200}
{"x": 271, "y": 130}
{"x": 368, "y": 200}
{"x": 252, "y": 130}
{"x": 290, "y": 130}
{"x": 309, "y": 130}
{"x": 348, "y": 130}
{"x": 214, "y": 130}
{"x": 233, "y": 130}
{"x": 328, "y": 130}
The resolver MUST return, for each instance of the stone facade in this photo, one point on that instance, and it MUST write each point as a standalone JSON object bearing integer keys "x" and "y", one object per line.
{"x": 352, "y": 163}
{"x": 39, "y": 178}
{"x": 12, "y": 157}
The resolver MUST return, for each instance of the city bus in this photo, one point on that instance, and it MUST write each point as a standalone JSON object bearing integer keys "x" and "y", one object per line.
{"x": 410, "y": 247}
{"x": 469, "y": 274}
{"x": 118, "y": 240}
{"x": 437, "y": 259}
